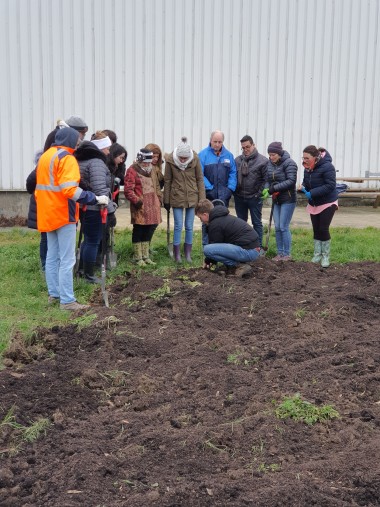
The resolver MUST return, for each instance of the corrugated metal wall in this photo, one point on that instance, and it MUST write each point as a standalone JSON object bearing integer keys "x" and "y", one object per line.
{"x": 299, "y": 71}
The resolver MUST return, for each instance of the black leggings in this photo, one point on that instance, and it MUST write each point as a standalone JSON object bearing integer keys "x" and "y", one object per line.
{"x": 143, "y": 233}
{"x": 321, "y": 223}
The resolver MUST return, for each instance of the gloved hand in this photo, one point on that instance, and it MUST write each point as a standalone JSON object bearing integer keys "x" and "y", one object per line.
{"x": 265, "y": 194}
{"x": 139, "y": 204}
{"x": 275, "y": 195}
{"x": 167, "y": 206}
{"x": 103, "y": 200}
{"x": 307, "y": 194}
{"x": 117, "y": 181}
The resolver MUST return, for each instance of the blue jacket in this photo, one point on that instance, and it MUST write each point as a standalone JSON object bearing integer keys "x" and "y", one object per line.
{"x": 282, "y": 177}
{"x": 321, "y": 182}
{"x": 219, "y": 173}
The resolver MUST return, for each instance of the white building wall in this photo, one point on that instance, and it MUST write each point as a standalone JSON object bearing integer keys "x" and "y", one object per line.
{"x": 299, "y": 71}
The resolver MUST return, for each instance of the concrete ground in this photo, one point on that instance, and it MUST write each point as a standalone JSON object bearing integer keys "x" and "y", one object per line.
{"x": 358, "y": 217}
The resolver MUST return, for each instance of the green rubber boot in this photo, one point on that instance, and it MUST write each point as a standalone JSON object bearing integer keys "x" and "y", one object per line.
{"x": 325, "y": 254}
{"x": 137, "y": 254}
{"x": 317, "y": 251}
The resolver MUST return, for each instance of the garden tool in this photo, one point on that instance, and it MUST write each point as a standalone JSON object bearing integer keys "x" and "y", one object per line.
{"x": 103, "y": 213}
{"x": 170, "y": 245}
{"x": 77, "y": 261}
{"x": 266, "y": 246}
{"x": 111, "y": 254}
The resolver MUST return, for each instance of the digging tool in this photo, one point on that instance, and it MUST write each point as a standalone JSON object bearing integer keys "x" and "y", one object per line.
{"x": 77, "y": 261}
{"x": 170, "y": 245}
{"x": 103, "y": 214}
{"x": 111, "y": 254}
{"x": 265, "y": 248}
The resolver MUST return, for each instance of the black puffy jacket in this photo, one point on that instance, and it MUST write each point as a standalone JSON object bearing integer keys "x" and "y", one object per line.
{"x": 321, "y": 182}
{"x": 225, "y": 228}
{"x": 282, "y": 177}
{"x": 94, "y": 173}
{"x": 31, "y": 182}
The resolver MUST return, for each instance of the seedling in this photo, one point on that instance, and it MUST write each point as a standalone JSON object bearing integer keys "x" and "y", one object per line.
{"x": 301, "y": 410}
{"x": 264, "y": 468}
{"x": 129, "y": 302}
{"x": 238, "y": 359}
{"x": 23, "y": 433}
{"x": 217, "y": 448}
{"x": 300, "y": 313}
{"x": 84, "y": 321}
{"x": 161, "y": 292}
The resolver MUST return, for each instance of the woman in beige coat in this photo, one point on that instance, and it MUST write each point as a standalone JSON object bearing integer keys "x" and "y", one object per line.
{"x": 183, "y": 189}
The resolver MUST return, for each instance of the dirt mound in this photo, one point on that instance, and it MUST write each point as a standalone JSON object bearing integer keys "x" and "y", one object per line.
{"x": 13, "y": 221}
{"x": 170, "y": 397}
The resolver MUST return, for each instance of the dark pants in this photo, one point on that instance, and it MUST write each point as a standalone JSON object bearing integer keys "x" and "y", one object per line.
{"x": 92, "y": 233}
{"x": 321, "y": 223}
{"x": 142, "y": 233}
{"x": 43, "y": 249}
{"x": 254, "y": 205}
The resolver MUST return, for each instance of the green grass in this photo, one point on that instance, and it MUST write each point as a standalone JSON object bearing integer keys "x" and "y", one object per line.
{"x": 23, "y": 298}
{"x": 296, "y": 408}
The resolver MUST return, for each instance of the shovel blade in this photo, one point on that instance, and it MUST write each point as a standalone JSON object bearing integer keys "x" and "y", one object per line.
{"x": 170, "y": 250}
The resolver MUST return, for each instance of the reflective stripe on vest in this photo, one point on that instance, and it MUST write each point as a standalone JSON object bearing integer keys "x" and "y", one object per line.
{"x": 56, "y": 188}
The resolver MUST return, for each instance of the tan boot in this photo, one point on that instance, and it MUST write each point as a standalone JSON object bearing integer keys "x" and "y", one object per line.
{"x": 145, "y": 253}
{"x": 137, "y": 254}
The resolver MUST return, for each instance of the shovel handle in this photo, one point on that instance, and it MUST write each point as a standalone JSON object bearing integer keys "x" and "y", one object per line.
{"x": 103, "y": 214}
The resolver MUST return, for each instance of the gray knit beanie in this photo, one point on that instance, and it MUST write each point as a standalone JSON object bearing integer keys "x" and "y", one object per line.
{"x": 183, "y": 150}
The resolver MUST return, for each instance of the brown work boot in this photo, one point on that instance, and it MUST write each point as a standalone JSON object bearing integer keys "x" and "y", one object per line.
{"x": 74, "y": 306}
{"x": 243, "y": 270}
{"x": 52, "y": 300}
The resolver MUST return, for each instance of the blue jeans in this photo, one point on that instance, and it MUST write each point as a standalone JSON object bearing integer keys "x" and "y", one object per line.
{"x": 282, "y": 215}
{"x": 60, "y": 261}
{"x": 254, "y": 206}
{"x": 92, "y": 235}
{"x": 178, "y": 224}
{"x": 228, "y": 254}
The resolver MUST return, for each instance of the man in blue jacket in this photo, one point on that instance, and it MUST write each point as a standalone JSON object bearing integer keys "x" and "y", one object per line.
{"x": 219, "y": 169}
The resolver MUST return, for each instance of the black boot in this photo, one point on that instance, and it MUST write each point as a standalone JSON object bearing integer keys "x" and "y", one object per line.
{"x": 89, "y": 268}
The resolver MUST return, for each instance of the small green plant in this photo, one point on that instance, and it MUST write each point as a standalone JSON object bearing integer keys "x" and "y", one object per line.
{"x": 238, "y": 359}
{"x": 208, "y": 444}
{"x": 84, "y": 321}
{"x": 300, "y": 313}
{"x": 21, "y": 433}
{"x": 34, "y": 431}
{"x": 301, "y": 410}
{"x": 160, "y": 292}
{"x": 264, "y": 468}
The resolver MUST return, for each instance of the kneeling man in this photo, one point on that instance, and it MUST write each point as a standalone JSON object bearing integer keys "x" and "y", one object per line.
{"x": 231, "y": 240}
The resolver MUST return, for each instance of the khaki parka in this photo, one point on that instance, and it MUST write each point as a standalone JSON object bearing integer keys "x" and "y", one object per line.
{"x": 183, "y": 188}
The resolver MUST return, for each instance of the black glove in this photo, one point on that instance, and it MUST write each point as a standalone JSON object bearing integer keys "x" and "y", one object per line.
{"x": 167, "y": 206}
{"x": 139, "y": 204}
{"x": 271, "y": 189}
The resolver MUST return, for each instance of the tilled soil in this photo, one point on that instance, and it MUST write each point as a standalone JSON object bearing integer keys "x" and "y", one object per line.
{"x": 169, "y": 397}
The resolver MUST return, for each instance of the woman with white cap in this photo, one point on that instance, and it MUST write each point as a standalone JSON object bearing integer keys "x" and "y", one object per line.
{"x": 183, "y": 189}
{"x": 142, "y": 189}
{"x": 95, "y": 176}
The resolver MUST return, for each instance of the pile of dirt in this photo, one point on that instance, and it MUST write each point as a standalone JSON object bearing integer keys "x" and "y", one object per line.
{"x": 169, "y": 398}
{"x": 13, "y": 221}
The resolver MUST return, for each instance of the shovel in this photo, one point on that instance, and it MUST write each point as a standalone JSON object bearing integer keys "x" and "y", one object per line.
{"x": 77, "y": 261}
{"x": 265, "y": 248}
{"x": 170, "y": 245}
{"x": 103, "y": 213}
{"x": 111, "y": 255}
